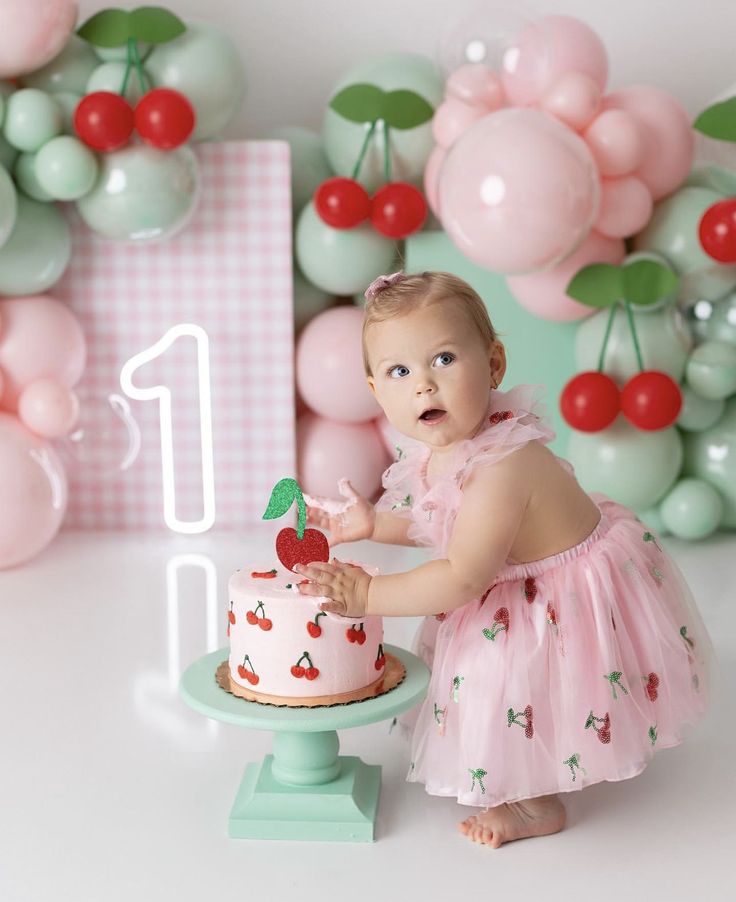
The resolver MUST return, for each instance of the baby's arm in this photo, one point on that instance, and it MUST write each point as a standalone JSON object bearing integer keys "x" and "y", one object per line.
{"x": 391, "y": 529}
{"x": 494, "y": 500}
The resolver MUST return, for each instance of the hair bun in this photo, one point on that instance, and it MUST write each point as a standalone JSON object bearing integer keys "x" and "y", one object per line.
{"x": 378, "y": 285}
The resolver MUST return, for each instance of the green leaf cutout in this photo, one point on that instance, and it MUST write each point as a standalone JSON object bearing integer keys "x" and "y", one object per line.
{"x": 718, "y": 121}
{"x": 598, "y": 285}
{"x": 647, "y": 281}
{"x": 405, "y": 109}
{"x": 359, "y": 103}
{"x": 155, "y": 25}
{"x": 282, "y": 497}
{"x": 107, "y": 28}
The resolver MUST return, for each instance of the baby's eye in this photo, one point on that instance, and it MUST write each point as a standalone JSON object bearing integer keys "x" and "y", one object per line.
{"x": 444, "y": 359}
{"x": 396, "y": 372}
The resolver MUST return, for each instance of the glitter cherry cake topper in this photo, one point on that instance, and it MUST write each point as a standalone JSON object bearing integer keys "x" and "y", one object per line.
{"x": 300, "y": 545}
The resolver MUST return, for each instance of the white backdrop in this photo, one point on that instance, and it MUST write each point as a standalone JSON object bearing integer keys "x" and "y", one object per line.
{"x": 294, "y": 50}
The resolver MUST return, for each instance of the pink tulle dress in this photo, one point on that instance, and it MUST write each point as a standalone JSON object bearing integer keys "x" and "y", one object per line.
{"x": 568, "y": 670}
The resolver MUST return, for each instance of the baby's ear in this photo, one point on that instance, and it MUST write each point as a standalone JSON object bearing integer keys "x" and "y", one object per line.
{"x": 371, "y": 383}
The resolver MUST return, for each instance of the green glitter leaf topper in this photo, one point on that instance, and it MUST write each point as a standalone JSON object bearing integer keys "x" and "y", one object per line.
{"x": 283, "y": 495}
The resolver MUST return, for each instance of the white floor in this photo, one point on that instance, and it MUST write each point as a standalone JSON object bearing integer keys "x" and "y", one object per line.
{"x": 112, "y": 789}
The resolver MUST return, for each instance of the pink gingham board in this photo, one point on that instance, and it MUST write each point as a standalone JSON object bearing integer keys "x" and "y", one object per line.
{"x": 228, "y": 271}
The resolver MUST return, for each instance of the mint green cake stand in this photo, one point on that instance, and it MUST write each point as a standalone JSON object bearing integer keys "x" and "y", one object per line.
{"x": 304, "y": 790}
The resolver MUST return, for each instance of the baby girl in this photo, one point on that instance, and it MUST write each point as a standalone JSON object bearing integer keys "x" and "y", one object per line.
{"x": 564, "y": 643}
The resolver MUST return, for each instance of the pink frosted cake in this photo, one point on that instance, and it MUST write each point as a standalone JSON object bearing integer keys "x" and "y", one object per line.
{"x": 283, "y": 648}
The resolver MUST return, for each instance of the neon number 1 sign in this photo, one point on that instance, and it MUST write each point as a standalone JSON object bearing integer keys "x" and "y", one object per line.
{"x": 162, "y": 394}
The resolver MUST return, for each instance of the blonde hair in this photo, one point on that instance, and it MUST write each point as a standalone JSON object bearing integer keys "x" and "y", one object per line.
{"x": 419, "y": 290}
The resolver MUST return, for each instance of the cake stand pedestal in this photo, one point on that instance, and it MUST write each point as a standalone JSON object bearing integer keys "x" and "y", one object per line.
{"x": 304, "y": 790}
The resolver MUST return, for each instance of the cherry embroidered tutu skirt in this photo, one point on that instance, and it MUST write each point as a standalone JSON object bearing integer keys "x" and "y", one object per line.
{"x": 571, "y": 670}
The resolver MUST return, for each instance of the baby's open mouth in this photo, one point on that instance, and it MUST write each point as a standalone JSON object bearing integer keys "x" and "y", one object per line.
{"x": 431, "y": 415}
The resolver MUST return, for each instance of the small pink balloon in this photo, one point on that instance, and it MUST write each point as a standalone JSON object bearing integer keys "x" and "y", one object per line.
{"x": 452, "y": 118}
{"x": 329, "y": 367}
{"x": 626, "y": 207}
{"x": 41, "y": 338}
{"x": 33, "y": 492}
{"x": 573, "y": 99}
{"x": 546, "y": 49}
{"x": 327, "y": 450}
{"x": 31, "y": 34}
{"x": 667, "y": 138}
{"x": 545, "y": 293}
{"x": 431, "y": 177}
{"x": 616, "y": 142}
{"x": 476, "y": 85}
{"x": 48, "y": 408}
{"x": 518, "y": 191}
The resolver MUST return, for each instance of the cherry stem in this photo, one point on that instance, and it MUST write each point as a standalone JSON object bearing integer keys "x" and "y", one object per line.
{"x": 609, "y": 326}
{"x": 630, "y": 315}
{"x": 386, "y": 152}
{"x": 363, "y": 150}
{"x": 132, "y": 43}
{"x": 128, "y": 68}
{"x": 301, "y": 521}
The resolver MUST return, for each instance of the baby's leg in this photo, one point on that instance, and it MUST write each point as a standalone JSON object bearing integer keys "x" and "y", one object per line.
{"x": 515, "y": 820}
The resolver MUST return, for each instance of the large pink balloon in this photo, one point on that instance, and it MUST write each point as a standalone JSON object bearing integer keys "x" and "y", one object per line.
{"x": 41, "y": 338}
{"x": 547, "y": 49}
{"x": 667, "y": 138}
{"x": 545, "y": 293}
{"x": 329, "y": 367}
{"x": 327, "y": 451}
{"x": 32, "y": 33}
{"x": 518, "y": 191}
{"x": 33, "y": 493}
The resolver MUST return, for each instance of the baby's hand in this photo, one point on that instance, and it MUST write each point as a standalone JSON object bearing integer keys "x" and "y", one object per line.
{"x": 347, "y": 521}
{"x": 346, "y": 585}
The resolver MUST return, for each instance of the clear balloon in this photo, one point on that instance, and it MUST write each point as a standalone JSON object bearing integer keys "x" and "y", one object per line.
{"x": 107, "y": 438}
{"x": 8, "y": 206}
{"x": 48, "y": 408}
{"x": 692, "y": 509}
{"x": 33, "y": 493}
{"x": 309, "y": 166}
{"x": 626, "y": 206}
{"x": 518, "y": 191}
{"x": 477, "y": 85}
{"x": 329, "y": 367}
{"x": 33, "y": 34}
{"x": 66, "y": 168}
{"x": 38, "y": 251}
{"x": 32, "y": 118}
{"x": 711, "y": 370}
{"x": 68, "y": 71}
{"x": 142, "y": 194}
{"x": 721, "y": 324}
{"x": 711, "y": 455}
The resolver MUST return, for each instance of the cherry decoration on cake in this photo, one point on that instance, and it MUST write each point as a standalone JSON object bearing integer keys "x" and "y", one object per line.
{"x": 300, "y": 545}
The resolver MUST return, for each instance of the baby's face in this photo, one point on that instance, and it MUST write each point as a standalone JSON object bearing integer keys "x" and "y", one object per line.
{"x": 432, "y": 374}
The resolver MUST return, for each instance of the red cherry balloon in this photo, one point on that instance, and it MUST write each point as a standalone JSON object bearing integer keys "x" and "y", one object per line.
{"x": 590, "y": 401}
{"x": 104, "y": 120}
{"x": 651, "y": 400}
{"x": 398, "y": 210}
{"x": 342, "y": 203}
{"x": 164, "y": 118}
{"x": 717, "y": 231}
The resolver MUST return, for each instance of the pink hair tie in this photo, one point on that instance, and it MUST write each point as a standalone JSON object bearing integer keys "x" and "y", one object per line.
{"x": 377, "y": 285}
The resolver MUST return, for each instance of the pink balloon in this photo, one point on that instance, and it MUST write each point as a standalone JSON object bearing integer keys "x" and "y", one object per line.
{"x": 452, "y": 118}
{"x": 327, "y": 451}
{"x": 33, "y": 493}
{"x": 48, "y": 408}
{"x": 616, "y": 142}
{"x": 31, "y": 34}
{"x": 431, "y": 177}
{"x": 547, "y": 49}
{"x": 545, "y": 293}
{"x": 667, "y": 139}
{"x": 518, "y": 191}
{"x": 41, "y": 338}
{"x": 573, "y": 99}
{"x": 476, "y": 85}
{"x": 329, "y": 367}
{"x": 626, "y": 206}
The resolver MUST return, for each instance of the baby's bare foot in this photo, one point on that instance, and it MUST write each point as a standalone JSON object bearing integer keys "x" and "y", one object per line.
{"x": 515, "y": 820}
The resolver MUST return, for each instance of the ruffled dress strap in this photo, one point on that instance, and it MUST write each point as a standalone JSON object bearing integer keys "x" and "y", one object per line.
{"x": 401, "y": 481}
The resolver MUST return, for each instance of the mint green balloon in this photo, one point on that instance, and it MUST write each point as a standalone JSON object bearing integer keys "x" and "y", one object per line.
{"x": 8, "y": 206}
{"x": 66, "y": 168}
{"x": 32, "y": 118}
{"x": 664, "y": 339}
{"x": 24, "y": 172}
{"x": 340, "y": 261}
{"x": 630, "y": 465}
{"x": 2, "y": 109}
{"x": 309, "y": 166}
{"x": 110, "y": 77}
{"x": 8, "y": 154}
{"x": 308, "y": 300}
{"x": 68, "y": 103}
{"x": 713, "y": 177}
{"x": 38, "y": 251}
{"x": 111, "y": 54}
{"x": 68, "y": 71}
{"x": 711, "y": 369}
{"x": 711, "y": 455}
{"x": 652, "y": 518}
{"x": 410, "y": 148}
{"x": 205, "y": 65}
{"x": 721, "y": 325}
{"x": 142, "y": 194}
{"x": 698, "y": 413}
{"x": 692, "y": 509}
